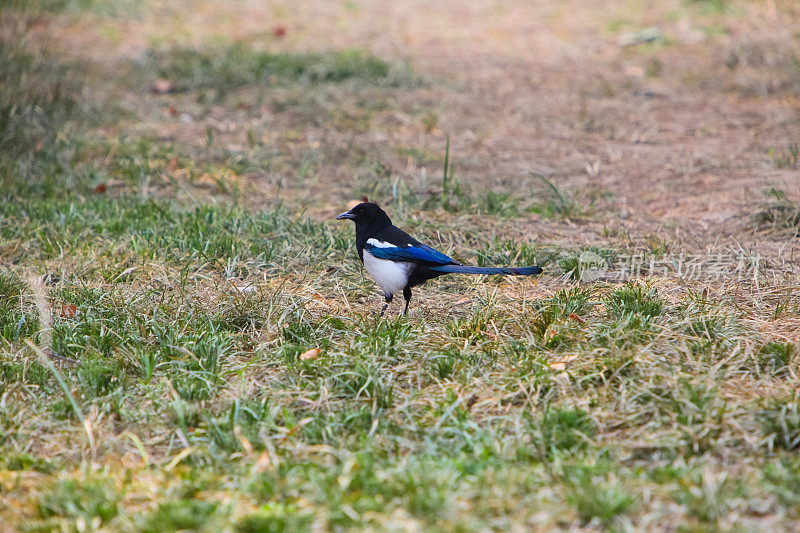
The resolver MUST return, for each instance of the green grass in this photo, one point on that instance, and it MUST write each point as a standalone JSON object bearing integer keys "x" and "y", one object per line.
{"x": 596, "y": 498}
{"x": 777, "y": 213}
{"x": 780, "y": 422}
{"x": 634, "y": 299}
{"x": 179, "y": 515}
{"x": 40, "y": 106}
{"x": 223, "y": 69}
{"x": 711, "y": 7}
{"x": 385, "y": 397}
{"x": 151, "y": 230}
{"x": 782, "y": 478}
{"x": 586, "y": 263}
{"x": 105, "y": 7}
{"x": 16, "y": 321}
{"x": 273, "y": 518}
{"x": 94, "y": 501}
{"x": 788, "y": 158}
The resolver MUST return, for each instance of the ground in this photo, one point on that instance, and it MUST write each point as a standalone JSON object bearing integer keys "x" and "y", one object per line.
{"x": 188, "y": 342}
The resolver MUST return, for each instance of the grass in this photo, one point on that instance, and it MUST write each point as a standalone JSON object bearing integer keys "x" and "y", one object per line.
{"x": 778, "y": 213}
{"x": 215, "y": 361}
{"x": 781, "y": 423}
{"x": 634, "y": 299}
{"x": 787, "y": 158}
{"x": 215, "y": 71}
{"x": 454, "y": 196}
{"x": 596, "y": 498}
{"x": 587, "y": 263}
{"x": 403, "y": 429}
{"x": 222, "y": 374}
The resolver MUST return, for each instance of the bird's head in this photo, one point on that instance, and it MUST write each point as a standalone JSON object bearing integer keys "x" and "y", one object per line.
{"x": 366, "y": 214}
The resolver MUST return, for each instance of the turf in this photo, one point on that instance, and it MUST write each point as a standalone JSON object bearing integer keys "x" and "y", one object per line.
{"x": 187, "y": 341}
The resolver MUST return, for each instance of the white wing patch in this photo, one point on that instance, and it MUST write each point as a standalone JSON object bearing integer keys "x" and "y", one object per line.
{"x": 380, "y": 244}
{"x": 392, "y": 276}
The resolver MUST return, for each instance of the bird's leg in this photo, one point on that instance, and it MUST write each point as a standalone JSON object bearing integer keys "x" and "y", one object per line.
{"x": 407, "y": 296}
{"x": 388, "y": 298}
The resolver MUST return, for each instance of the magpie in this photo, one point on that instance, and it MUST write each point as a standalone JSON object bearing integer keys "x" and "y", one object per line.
{"x": 398, "y": 262}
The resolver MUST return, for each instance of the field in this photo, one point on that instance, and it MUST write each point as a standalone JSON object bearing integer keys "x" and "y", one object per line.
{"x": 187, "y": 338}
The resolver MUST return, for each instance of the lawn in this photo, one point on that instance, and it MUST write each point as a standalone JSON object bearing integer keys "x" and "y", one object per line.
{"x": 187, "y": 338}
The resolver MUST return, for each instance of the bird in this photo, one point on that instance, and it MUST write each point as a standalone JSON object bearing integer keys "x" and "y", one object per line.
{"x": 397, "y": 261}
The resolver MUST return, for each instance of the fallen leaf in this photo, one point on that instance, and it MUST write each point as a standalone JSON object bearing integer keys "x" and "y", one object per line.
{"x": 576, "y": 318}
{"x": 263, "y": 463}
{"x": 101, "y": 188}
{"x": 162, "y": 86}
{"x": 68, "y": 311}
{"x": 38, "y": 22}
{"x": 562, "y": 365}
{"x": 248, "y": 448}
{"x": 313, "y": 353}
{"x": 472, "y": 400}
{"x": 296, "y": 429}
{"x": 279, "y": 31}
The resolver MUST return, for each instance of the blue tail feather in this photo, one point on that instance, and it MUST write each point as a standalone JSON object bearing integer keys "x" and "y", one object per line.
{"x": 512, "y": 271}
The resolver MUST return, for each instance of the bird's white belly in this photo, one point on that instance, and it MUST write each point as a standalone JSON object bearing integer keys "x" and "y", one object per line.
{"x": 390, "y": 275}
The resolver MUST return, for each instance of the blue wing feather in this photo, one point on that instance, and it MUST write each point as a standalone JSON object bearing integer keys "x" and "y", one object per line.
{"x": 412, "y": 254}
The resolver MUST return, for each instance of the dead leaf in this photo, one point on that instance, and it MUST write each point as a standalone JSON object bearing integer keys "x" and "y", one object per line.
{"x": 313, "y": 353}
{"x": 472, "y": 400}
{"x": 576, "y": 318}
{"x": 279, "y": 31}
{"x": 562, "y": 365}
{"x": 101, "y": 188}
{"x": 68, "y": 311}
{"x": 263, "y": 463}
{"x": 162, "y": 86}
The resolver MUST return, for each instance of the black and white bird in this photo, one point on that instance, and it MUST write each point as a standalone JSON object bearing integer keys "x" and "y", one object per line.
{"x": 398, "y": 262}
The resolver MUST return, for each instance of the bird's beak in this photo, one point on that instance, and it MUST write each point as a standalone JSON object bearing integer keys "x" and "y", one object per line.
{"x": 346, "y": 215}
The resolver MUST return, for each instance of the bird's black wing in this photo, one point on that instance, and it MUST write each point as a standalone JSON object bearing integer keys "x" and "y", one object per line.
{"x": 395, "y": 244}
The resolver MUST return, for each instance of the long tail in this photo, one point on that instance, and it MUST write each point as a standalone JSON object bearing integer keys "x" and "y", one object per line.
{"x": 460, "y": 269}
